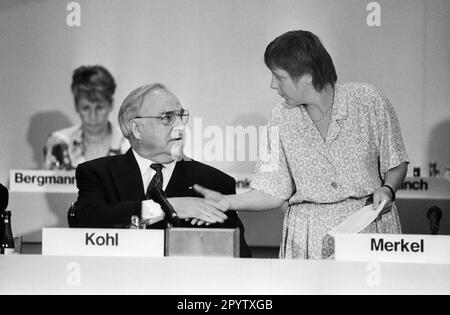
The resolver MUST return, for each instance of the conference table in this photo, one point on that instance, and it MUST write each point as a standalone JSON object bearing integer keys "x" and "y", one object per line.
{"x": 34, "y": 273}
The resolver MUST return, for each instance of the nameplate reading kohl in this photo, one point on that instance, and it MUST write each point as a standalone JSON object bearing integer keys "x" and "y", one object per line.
{"x": 42, "y": 181}
{"x": 102, "y": 242}
{"x": 431, "y": 249}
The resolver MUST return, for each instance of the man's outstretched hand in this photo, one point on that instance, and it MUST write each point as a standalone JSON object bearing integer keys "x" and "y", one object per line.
{"x": 197, "y": 208}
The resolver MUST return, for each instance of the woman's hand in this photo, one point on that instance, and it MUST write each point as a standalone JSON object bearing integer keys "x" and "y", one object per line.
{"x": 215, "y": 198}
{"x": 383, "y": 193}
{"x": 394, "y": 178}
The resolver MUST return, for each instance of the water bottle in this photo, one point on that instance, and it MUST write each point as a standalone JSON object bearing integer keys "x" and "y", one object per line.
{"x": 7, "y": 238}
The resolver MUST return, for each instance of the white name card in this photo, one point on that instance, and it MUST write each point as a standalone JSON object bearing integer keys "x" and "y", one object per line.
{"x": 102, "y": 242}
{"x": 42, "y": 181}
{"x": 430, "y": 249}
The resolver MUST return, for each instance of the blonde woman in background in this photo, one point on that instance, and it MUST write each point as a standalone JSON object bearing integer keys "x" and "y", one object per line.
{"x": 93, "y": 88}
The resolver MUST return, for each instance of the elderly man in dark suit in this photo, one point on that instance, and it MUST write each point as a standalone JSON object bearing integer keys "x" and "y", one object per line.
{"x": 113, "y": 189}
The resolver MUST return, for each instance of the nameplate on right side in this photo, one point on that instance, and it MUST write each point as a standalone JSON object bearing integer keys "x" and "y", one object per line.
{"x": 432, "y": 249}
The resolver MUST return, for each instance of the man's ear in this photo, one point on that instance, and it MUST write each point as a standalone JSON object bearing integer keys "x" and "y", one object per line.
{"x": 135, "y": 129}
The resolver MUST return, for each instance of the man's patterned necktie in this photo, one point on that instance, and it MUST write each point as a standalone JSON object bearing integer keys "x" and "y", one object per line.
{"x": 157, "y": 180}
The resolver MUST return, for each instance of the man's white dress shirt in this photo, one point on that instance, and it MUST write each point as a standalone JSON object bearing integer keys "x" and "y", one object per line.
{"x": 151, "y": 211}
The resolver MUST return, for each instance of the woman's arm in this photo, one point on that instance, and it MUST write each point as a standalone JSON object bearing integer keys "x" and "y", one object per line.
{"x": 393, "y": 178}
{"x": 253, "y": 200}
{"x": 396, "y": 176}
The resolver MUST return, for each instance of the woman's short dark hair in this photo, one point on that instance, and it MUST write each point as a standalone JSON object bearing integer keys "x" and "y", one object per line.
{"x": 93, "y": 82}
{"x": 299, "y": 53}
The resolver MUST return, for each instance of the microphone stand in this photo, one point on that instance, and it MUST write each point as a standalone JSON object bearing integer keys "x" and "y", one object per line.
{"x": 171, "y": 217}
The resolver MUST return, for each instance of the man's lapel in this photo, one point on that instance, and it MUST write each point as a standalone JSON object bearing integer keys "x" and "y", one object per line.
{"x": 182, "y": 178}
{"x": 128, "y": 179}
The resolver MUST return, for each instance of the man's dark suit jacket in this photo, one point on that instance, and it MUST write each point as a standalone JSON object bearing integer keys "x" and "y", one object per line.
{"x": 111, "y": 191}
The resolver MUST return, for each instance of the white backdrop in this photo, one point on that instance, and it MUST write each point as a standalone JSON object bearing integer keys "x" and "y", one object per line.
{"x": 210, "y": 54}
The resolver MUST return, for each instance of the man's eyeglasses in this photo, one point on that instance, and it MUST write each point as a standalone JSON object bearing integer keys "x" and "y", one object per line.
{"x": 168, "y": 118}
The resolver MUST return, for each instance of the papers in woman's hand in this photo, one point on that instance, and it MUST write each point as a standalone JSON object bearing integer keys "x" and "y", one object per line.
{"x": 359, "y": 220}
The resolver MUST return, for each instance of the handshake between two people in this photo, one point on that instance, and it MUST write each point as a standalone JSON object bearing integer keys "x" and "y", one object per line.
{"x": 201, "y": 211}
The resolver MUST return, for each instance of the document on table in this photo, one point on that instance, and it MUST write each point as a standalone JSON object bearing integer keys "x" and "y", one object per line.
{"x": 359, "y": 220}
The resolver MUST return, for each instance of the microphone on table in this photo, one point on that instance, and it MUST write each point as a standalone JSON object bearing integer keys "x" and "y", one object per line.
{"x": 171, "y": 216}
{"x": 434, "y": 215}
{"x": 61, "y": 152}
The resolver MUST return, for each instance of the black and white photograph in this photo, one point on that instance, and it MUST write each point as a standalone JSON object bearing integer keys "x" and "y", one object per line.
{"x": 224, "y": 153}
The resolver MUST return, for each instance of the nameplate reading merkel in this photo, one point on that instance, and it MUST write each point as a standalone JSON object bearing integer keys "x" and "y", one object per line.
{"x": 42, "y": 181}
{"x": 432, "y": 249}
{"x": 102, "y": 242}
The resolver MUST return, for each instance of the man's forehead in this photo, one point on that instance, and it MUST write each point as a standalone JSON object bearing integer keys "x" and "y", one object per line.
{"x": 160, "y": 101}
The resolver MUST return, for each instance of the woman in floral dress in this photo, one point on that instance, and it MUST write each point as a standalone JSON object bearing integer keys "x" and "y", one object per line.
{"x": 337, "y": 147}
